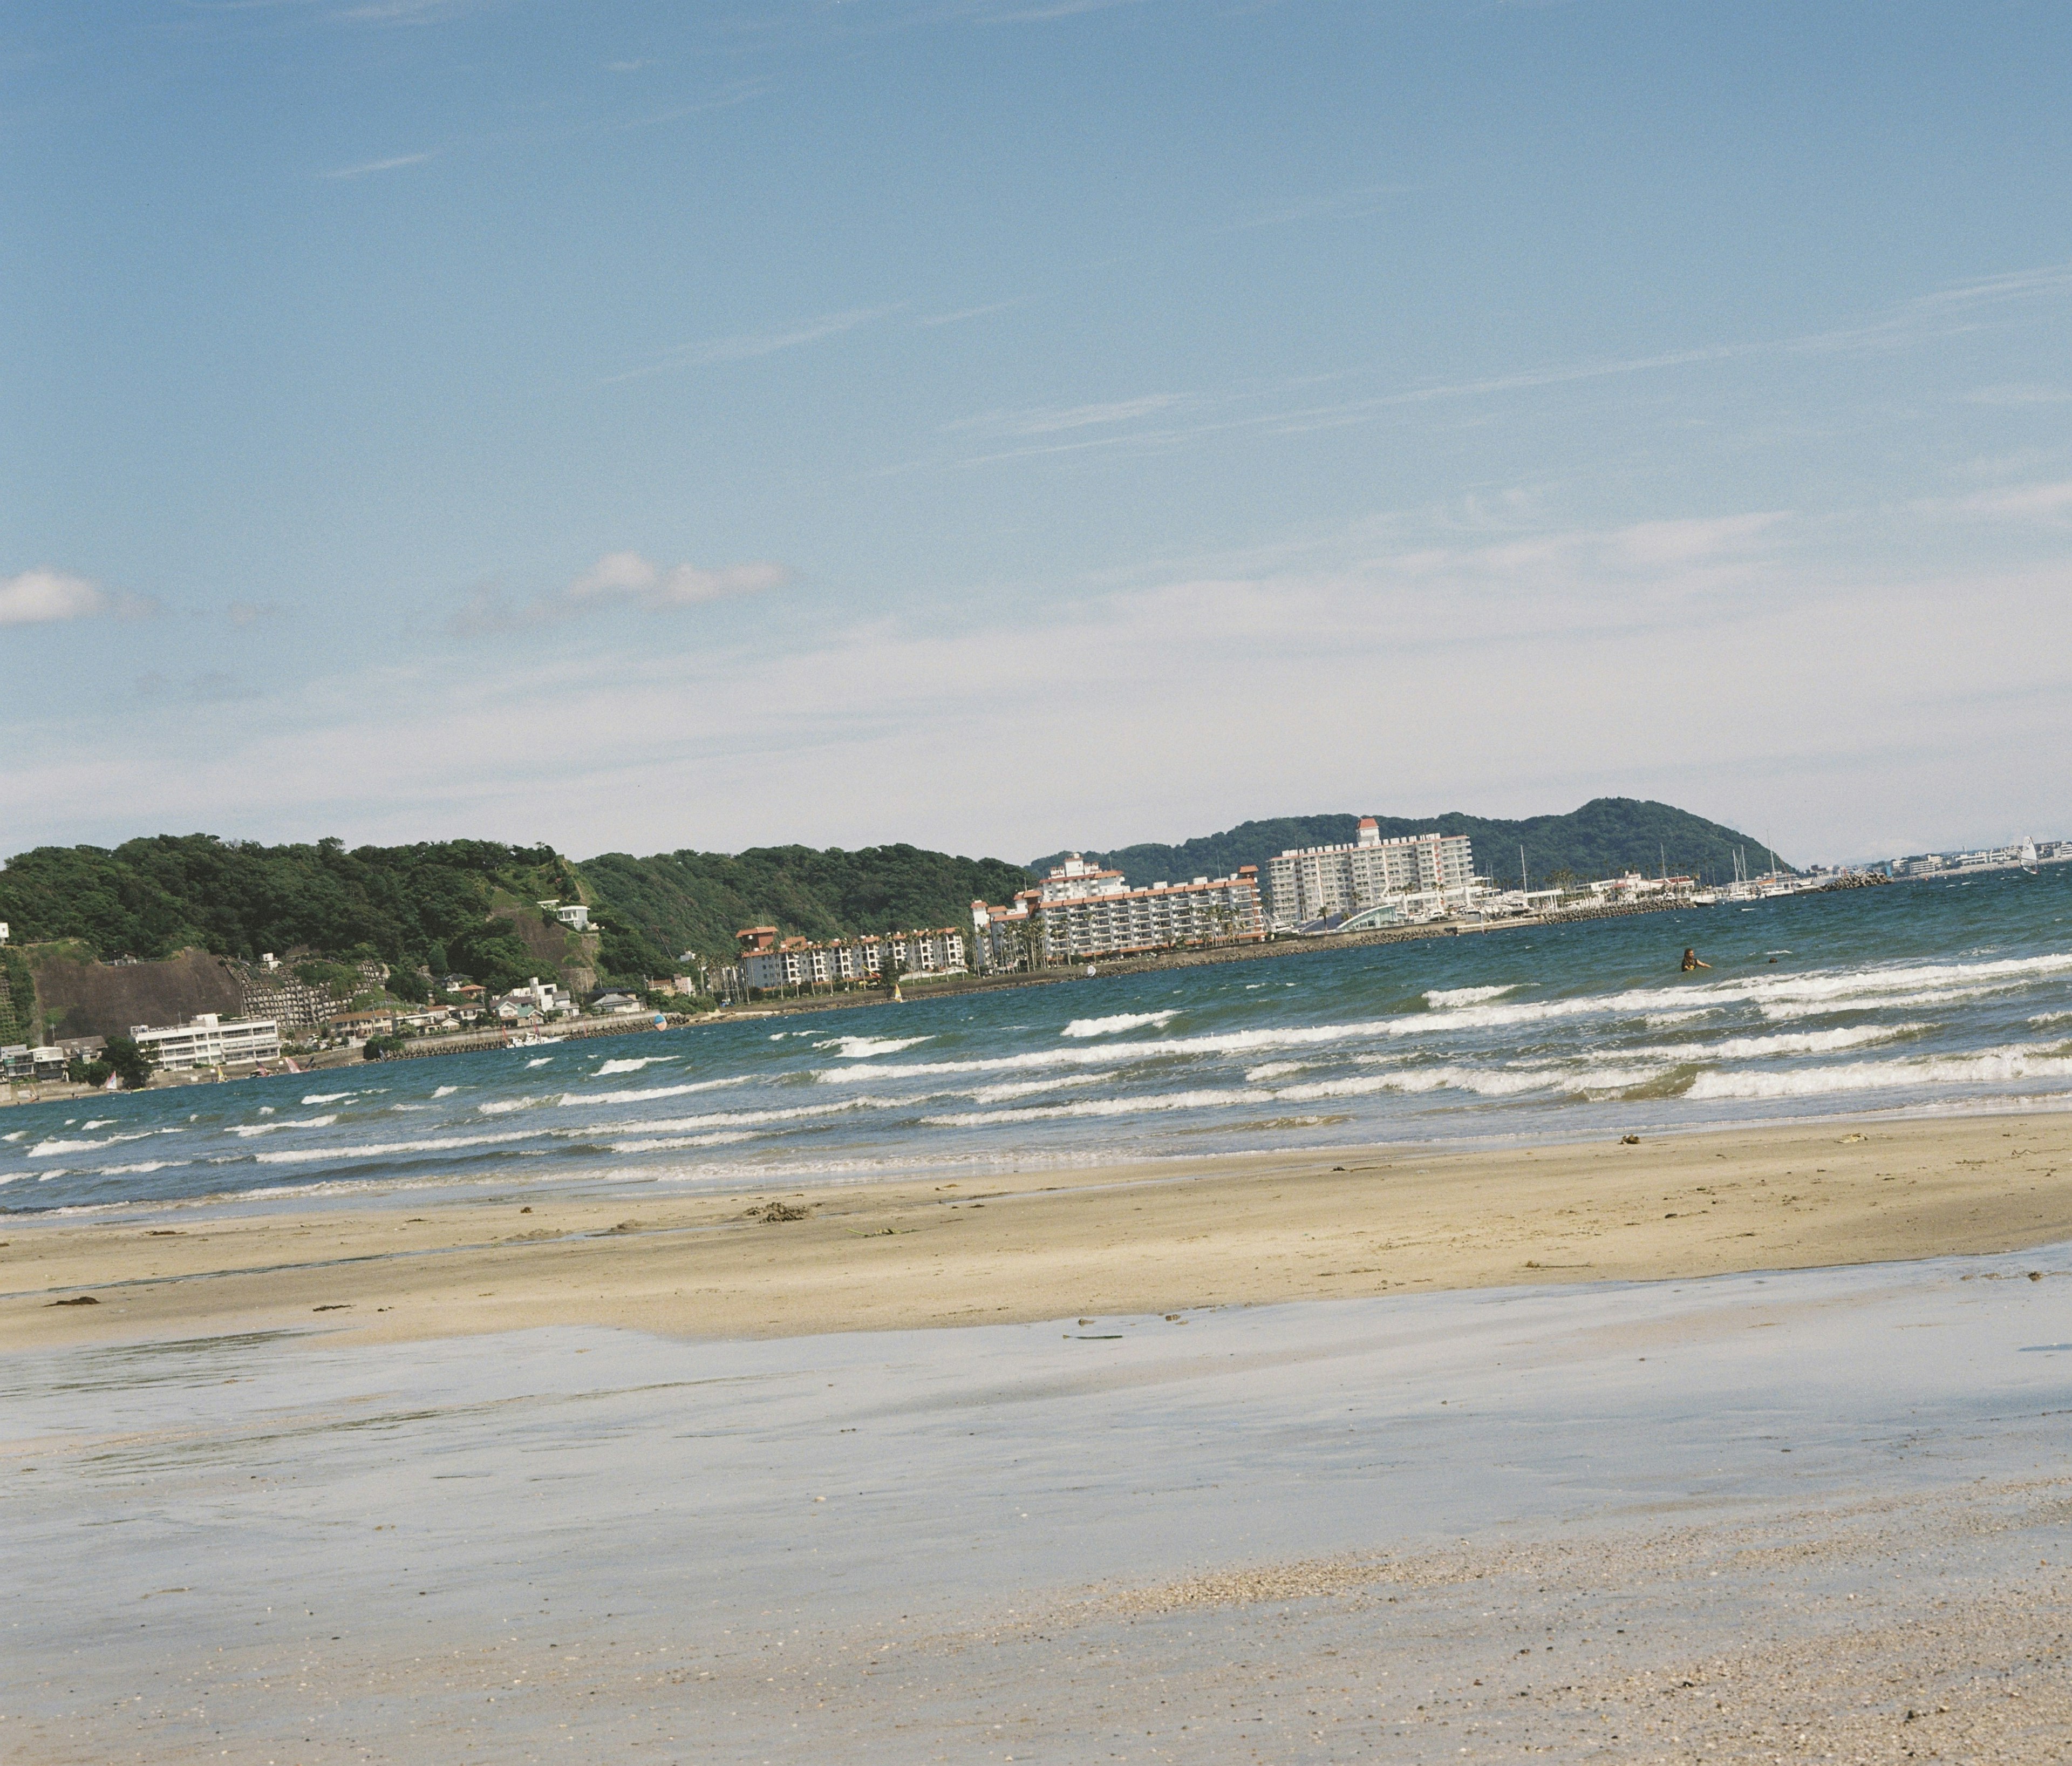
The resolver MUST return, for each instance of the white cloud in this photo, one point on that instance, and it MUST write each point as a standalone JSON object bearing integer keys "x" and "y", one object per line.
{"x": 42, "y": 597}
{"x": 678, "y": 585}
{"x": 621, "y": 577}
{"x": 1706, "y": 662}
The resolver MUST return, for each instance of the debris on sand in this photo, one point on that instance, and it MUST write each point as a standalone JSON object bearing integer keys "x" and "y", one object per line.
{"x": 77, "y": 1300}
{"x": 771, "y": 1211}
{"x": 1629, "y": 1140}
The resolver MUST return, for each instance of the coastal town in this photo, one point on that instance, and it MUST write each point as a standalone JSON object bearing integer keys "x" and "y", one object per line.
{"x": 1081, "y": 916}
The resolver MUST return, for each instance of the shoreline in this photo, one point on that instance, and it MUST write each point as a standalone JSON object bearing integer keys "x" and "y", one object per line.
{"x": 1168, "y": 1237}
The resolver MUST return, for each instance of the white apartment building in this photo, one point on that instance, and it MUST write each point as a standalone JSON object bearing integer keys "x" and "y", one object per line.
{"x": 1435, "y": 872}
{"x": 797, "y": 962}
{"x": 547, "y": 999}
{"x": 1084, "y": 911}
{"x": 208, "y": 1041}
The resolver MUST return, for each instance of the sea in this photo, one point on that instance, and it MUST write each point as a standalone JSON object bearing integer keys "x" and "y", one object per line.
{"x": 1917, "y": 998}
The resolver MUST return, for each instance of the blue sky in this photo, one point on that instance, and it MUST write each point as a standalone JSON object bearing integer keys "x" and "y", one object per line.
{"x": 1010, "y": 424}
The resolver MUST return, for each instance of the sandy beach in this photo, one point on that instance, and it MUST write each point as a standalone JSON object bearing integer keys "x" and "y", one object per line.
{"x": 1239, "y": 1230}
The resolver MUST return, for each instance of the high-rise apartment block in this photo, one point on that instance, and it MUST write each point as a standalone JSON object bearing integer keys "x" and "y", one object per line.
{"x": 1429, "y": 875}
{"x": 1083, "y": 911}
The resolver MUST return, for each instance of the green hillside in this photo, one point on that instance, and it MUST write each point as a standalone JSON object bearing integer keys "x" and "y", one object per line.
{"x": 150, "y": 898}
{"x": 698, "y": 900}
{"x": 469, "y": 905}
{"x": 1607, "y": 836}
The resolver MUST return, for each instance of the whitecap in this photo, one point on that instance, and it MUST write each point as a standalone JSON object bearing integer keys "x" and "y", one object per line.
{"x": 1204, "y": 1099}
{"x": 1440, "y": 998}
{"x": 656, "y": 1091}
{"x": 1988, "y": 1067}
{"x": 446, "y": 1091}
{"x": 325, "y": 1098}
{"x": 382, "y": 1149}
{"x": 539, "y": 1061}
{"x": 1028, "y": 1087}
{"x": 669, "y": 1143}
{"x": 858, "y": 1048}
{"x": 503, "y": 1106}
{"x": 631, "y": 1064}
{"x": 1122, "y": 1021}
{"x": 55, "y": 1149}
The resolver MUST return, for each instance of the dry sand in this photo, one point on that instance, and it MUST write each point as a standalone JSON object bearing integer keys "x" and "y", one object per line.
{"x": 1240, "y": 1230}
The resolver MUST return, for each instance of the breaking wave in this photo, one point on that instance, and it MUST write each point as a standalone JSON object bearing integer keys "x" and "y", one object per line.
{"x": 1122, "y": 1021}
{"x": 1440, "y": 998}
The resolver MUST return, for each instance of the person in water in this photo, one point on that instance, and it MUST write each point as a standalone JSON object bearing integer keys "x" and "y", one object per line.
{"x": 1691, "y": 961}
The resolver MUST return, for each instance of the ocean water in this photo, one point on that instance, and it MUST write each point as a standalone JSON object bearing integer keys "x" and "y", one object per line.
{"x": 1918, "y": 998}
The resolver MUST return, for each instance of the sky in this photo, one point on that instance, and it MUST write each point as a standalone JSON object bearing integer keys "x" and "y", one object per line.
{"x": 1012, "y": 425}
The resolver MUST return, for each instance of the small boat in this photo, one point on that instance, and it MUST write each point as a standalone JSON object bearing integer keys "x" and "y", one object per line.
{"x": 534, "y": 1042}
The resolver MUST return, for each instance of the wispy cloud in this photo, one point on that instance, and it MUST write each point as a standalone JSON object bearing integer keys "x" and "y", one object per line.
{"x": 1051, "y": 421}
{"x": 622, "y": 578}
{"x": 1909, "y": 323}
{"x": 369, "y": 167}
{"x": 212, "y": 687}
{"x": 404, "y": 11}
{"x": 2020, "y": 395}
{"x": 2044, "y": 502}
{"x": 1341, "y": 205}
{"x": 964, "y": 313}
{"x": 747, "y": 345}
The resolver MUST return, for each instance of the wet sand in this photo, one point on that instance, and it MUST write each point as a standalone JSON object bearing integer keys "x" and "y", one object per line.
{"x": 1247, "y": 1229}
{"x": 1820, "y": 1514}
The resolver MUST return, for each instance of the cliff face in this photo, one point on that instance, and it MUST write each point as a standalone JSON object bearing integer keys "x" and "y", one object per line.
{"x": 570, "y": 957}
{"x": 81, "y": 998}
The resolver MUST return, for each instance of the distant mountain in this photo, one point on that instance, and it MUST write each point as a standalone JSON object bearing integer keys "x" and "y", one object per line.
{"x": 698, "y": 900}
{"x": 1607, "y": 836}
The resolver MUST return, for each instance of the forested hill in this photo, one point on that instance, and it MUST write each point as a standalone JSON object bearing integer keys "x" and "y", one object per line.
{"x": 698, "y": 900}
{"x": 441, "y": 905}
{"x": 1607, "y": 836}
{"x": 448, "y": 906}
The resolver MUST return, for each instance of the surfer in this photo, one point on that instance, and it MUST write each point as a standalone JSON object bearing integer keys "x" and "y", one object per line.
{"x": 1692, "y": 961}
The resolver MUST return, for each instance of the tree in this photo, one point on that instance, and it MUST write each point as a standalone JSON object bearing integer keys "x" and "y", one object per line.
{"x": 1032, "y": 937}
{"x": 129, "y": 1062}
{"x": 493, "y": 955}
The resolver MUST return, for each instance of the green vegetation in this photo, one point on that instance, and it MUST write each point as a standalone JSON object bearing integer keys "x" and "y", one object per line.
{"x": 122, "y": 1057}
{"x": 698, "y": 900}
{"x": 626, "y": 957}
{"x": 468, "y": 905}
{"x": 148, "y": 899}
{"x": 17, "y": 998}
{"x": 316, "y": 973}
{"x": 1607, "y": 836}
